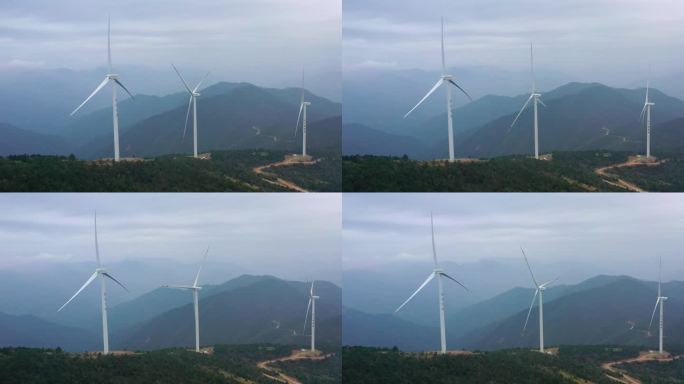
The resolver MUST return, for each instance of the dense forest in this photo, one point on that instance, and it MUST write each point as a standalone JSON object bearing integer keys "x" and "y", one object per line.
{"x": 571, "y": 364}
{"x": 566, "y": 171}
{"x": 667, "y": 177}
{"x": 226, "y": 171}
{"x": 227, "y": 364}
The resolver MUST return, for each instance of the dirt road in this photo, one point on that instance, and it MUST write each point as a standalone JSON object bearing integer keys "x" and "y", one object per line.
{"x": 623, "y": 377}
{"x": 261, "y": 170}
{"x": 277, "y": 375}
{"x": 604, "y": 173}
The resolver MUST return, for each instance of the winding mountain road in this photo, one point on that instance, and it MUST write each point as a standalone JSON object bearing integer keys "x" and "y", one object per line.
{"x": 277, "y": 375}
{"x": 261, "y": 170}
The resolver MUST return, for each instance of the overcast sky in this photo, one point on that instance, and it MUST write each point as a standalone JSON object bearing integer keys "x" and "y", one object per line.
{"x": 589, "y": 40}
{"x": 619, "y": 233}
{"x": 246, "y": 40}
{"x": 286, "y": 235}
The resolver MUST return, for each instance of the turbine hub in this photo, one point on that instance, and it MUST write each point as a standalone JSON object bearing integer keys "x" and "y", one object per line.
{"x": 195, "y": 94}
{"x": 438, "y": 270}
{"x": 447, "y": 77}
{"x": 101, "y": 270}
{"x": 306, "y": 103}
{"x": 113, "y": 76}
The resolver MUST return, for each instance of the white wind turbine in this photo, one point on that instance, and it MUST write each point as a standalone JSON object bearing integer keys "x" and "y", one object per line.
{"x": 647, "y": 108}
{"x": 312, "y": 306}
{"x": 438, "y": 273}
{"x": 195, "y": 297}
{"x": 192, "y": 103}
{"x": 535, "y": 98}
{"x": 114, "y": 79}
{"x": 447, "y": 80}
{"x": 660, "y": 299}
{"x": 102, "y": 273}
{"x": 302, "y": 114}
{"x": 539, "y": 290}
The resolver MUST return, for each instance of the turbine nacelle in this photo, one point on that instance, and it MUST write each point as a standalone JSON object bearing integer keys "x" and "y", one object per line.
{"x": 113, "y": 76}
{"x": 306, "y": 103}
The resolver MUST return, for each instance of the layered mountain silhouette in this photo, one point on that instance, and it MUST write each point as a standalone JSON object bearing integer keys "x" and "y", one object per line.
{"x": 601, "y": 310}
{"x": 578, "y": 116}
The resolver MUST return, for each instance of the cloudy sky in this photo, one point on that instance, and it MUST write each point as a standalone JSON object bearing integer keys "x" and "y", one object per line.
{"x": 618, "y": 233}
{"x": 262, "y": 41}
{"x": 588, "y": 40}
{"x": 287, "y": 235}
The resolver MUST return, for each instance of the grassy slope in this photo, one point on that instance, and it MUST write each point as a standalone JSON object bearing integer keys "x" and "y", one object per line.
{"x": 226, "y": 171}
{"x": 568, "y": 171}
{"x": 228, "y": 364}
{"x": 571, "y": 365}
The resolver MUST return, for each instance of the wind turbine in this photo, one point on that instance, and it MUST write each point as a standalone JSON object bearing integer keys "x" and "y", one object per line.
{"x": 114, "y": 79}
{"x": 540, "y": 288}
{"x": 647, "y": 108}
{"x": 195, "y": 297}
{"x": 438, "y": 273}
{"x": 660, "y": 301}
{"x": 192, "y": 103}
{"x": 302, "y": 113}
{"x": 535, "y": 98}
{"x": 312, "y": 306}
{"x": 102, "y": 273}
{"x": 447, "y": 80}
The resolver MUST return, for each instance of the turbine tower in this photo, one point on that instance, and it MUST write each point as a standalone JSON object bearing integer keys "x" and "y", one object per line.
{"x": 114, "y": 80}
{"x": 660, "y": 299}
{"x": 100, "y": 272}
{"x": 312, "y": 306}
{"x": 192, "y": 103}
{"x": 447, "y": 80}
{"x": 302, "y": 114}
{"x": 195, "y": 298}
{"x": 438, "y": 273}
{"x": 535, "y": 98}
{"x": 647, "y": 108}
{"x": 540, "y": 288}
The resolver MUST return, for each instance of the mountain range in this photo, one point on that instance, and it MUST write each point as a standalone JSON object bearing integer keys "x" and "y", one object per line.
{"x": 578, "y": 116}
{"x": 247, "y": 309}
{"x": 600, "y": 310}
{"x": 230, "y": 116}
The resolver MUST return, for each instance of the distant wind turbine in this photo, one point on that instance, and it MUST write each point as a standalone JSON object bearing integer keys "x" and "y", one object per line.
{"x": 102, "y": 273}
{"x": 438, "y": 273}
{"x": 660, "y": 300}
{"x": 192, "y": 103}
{"x": 114, "y": 79}
{"x": 312, "y": 306}
{"x": 195, "y": 297}
{"x": 447, "y": 80}
{"x": 539, "y": 290}
{"x": 535, "y": 98}
{"x": 647, "y": 108}
{"x": 302, "y": 114}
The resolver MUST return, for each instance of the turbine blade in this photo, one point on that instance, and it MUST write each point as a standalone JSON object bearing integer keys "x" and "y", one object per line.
{"x": 312, "y": 286}
{"x": 301, "y": 107}
{"x": 534, "y": 83}
{"x": 186, "y": 287}
{"x": 432, "y": 276}
{"x": 90, "y": 280}
{"x": 521, "y": 111}
{"x": 306, "y": 318}
{"x": 109, "y": 44}
{"x": 536, "y": 291}
{"x": 115, "y": 280}
{"x": 187, "y": 116}
{"x": 457, "y": 282}
{"x": 204, "y": 259}
{"x": 536, "y": 285}
{"x": 124, "y": 88}
{"x": 97, "y": 246}
{"x": 434, "y": 88}
{"x": 660, "y": 274}
{"x": 200, "y": 82}
{"x": 443, "y": 60}
{"x": 462, "y": 90}
{"x": 643, "y": 110}
{"x": 540, "y": 101}
{"x": 654, "y": 311}
{"x": 102, "y": 84}
{"x": 549, "y": 282}
{"x": 432, "y": 229}
{"x": 182, "y": 79}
